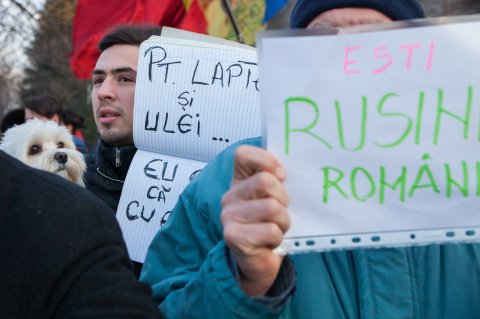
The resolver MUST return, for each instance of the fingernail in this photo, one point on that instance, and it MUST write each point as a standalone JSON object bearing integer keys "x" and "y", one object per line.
{"x": 280, "y": 172}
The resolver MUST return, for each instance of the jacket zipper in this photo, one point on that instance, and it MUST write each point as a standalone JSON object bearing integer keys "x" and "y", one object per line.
{"x": 117, "y": 157}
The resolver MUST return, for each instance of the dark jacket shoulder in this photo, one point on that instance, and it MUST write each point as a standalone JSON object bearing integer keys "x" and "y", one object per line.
{"x": 62, "y": 251}
{"x": 107, "y": 169}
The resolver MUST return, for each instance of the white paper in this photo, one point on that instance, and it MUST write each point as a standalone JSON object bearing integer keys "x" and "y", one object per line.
{"x": 186, "y": 116}
{"x": 156, "y": 182}
{"x": 206, "y": 101}
{"x": 386, "y": 87}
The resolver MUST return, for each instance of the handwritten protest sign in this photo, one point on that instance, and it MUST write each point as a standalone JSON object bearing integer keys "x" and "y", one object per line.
{"x": 379, "y": 133}
{"x": 193, "y": 99}
{"x": 208, "y": 96}
{"x": 153, "y": 189}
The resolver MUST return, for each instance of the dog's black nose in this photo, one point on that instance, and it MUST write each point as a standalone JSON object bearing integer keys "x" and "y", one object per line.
{"x": 61, "y": 157}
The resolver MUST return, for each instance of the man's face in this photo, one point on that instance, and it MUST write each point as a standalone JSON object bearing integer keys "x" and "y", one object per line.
{"x": 346, "y": 17}
{"x": 113, "y": 93}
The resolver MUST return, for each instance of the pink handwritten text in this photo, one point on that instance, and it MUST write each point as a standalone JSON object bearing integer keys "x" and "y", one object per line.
{"x": 407, "y": 55}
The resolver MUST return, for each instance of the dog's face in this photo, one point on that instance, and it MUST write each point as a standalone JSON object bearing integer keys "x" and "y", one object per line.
{"x": 46, "y": 146}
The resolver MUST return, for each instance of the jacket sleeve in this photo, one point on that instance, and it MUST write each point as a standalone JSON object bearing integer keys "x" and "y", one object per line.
{"x": 83, "y": 269}
{"x": 187, "y": 267}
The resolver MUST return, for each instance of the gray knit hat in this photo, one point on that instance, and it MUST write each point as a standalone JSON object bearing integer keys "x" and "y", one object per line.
{"x": 305, "y": 10}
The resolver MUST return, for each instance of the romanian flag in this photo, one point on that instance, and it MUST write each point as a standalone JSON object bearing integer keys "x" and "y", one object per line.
{"x": 94, "y": 18}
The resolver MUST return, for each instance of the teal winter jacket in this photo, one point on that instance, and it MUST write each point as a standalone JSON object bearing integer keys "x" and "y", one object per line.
{"x": 189, "y": 269}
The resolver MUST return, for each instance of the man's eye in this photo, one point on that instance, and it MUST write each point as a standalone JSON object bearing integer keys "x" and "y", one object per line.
{"x": 60, "y": 145}
{"x": 34, "y": 149}
{"x": 125, "y": 79}
{"x": 97, "y": 81}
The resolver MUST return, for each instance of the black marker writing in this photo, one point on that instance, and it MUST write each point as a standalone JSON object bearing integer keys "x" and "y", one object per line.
{"x": 158, "y": 63}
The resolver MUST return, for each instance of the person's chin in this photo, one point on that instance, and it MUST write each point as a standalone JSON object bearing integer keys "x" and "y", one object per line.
{"x": 116, "y": 137}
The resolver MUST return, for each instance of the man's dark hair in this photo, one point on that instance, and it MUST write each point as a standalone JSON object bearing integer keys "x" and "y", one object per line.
{"x": 133, "y": 34}
{"x": 45, "y": 105}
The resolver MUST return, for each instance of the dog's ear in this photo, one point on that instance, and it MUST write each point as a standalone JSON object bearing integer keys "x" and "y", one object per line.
{"x": 15, "y": 142}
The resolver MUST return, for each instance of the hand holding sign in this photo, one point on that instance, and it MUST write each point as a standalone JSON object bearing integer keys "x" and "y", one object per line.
{"x": 255, "y": 217}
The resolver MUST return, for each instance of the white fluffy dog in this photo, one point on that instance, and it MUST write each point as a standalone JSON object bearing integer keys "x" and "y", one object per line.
{"x": 46, "y": 146}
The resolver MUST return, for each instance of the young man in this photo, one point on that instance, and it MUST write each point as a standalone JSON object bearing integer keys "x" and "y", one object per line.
{"x": 63, "y": 255}
{"x": 113, "y": 91}
{"x": 214, "y": 258}
{"x": 113, "y": 81}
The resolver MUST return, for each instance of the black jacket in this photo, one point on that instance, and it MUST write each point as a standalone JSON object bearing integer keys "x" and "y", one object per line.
{"x": 62, "y": 252}
{"x": 107, "y": 168}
